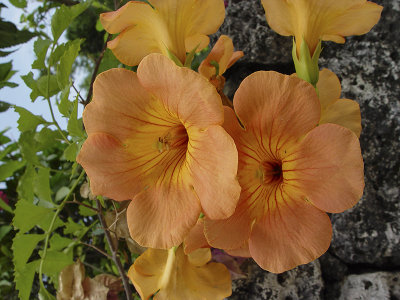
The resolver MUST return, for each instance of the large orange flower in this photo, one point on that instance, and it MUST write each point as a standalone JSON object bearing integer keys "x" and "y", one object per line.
{"x": 175, "y": 26}
{"x": 344, "y": 112}
{"x": 315, "y": 20}
{"x": 156, "y": 138}
{"x": 180, "y": 277}
{"x": 291, "y": 173}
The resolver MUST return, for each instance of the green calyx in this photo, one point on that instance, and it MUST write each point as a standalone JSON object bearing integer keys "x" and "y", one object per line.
{"x": 307, "y": 66}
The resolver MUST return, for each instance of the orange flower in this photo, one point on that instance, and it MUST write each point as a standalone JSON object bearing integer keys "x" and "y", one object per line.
{"x": 170, "y": 26}
{"x": 291, "y": 173}
{"x": 220, "y": 58}
{"x": 344, "y": 112}
{"x": 178, "y": 276}
{"x": 156, "y": 138}
{"x": 315, "y": 20}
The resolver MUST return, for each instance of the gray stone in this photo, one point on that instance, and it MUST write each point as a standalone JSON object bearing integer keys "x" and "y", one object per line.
{"x": 303, "y": 282}
{"x": 378, "y": 285}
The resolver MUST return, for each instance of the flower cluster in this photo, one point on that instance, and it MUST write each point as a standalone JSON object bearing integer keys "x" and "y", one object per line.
{"x": 255, "y": 180}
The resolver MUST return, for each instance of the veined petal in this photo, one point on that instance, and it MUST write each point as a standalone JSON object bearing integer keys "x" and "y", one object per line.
{"x": 196, "y": 238}
{"x": 279, "y": 109}
{"x": 212, "y": 160}
{"x": 242, "y": 251}
{"x": 343, "y": 112}
{"x": 107, "y": 163}
{"x": 294, "y": 233}
{"x": 177, "y": 87}
{"x": 161, "y": 216}
{"x": 328, "y": 168}
{"x": 328, "y": 87}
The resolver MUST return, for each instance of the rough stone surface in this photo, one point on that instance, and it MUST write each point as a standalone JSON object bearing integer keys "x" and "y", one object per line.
{"x": 304, "y": 282}
{"x": 366, "y": 238}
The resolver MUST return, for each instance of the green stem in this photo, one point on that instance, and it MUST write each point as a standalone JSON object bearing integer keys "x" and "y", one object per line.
{"x": 50, "y": 230}
{"x": 48, "y": 100}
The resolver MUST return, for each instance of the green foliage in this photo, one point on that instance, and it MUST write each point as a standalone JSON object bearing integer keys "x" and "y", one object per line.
{"x": 65, "y": 66}
{"x": 28, "y": 121}
{"x": 7, "y": 169}
{"x": 11, "y": 36}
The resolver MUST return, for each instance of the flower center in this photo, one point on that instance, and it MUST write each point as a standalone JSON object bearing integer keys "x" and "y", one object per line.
{"x": 271, "y": 172}
{"x": 174, "y": 137}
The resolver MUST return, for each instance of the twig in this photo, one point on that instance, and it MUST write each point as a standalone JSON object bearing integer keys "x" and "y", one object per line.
{"x": 97, "y": 249}
{"x": 115, "y": 256}
{"x": 79, "y": 94}
{"x": 83, "y": 204}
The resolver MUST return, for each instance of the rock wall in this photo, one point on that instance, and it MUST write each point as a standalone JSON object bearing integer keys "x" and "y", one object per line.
{"x": 363, "y": 261}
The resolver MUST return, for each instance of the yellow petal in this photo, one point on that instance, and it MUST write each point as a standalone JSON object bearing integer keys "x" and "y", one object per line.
{"x": 328, "y": 87}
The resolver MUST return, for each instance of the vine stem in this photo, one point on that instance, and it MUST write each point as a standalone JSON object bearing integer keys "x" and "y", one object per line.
{"x": 48, "y": 100}
{"x": 114, "y": 254}
{"x": 50, "y": 230}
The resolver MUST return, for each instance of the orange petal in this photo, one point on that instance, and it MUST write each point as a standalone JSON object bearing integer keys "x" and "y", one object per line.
{"x": 278, "y": 16}
{"x": 278, "y": 107}
{"x": 242, "y": 251}
{"x": 196, "y": 238}
{"x": 161, "y": 217}
{"x": 198, "y": 41}
{"x": 220, "y": 53}
{"x": 294, "y": 233}
{"x": 328, "y": 87}
{"x": 234, "y": 58}
{"x": 343, "y": 112}
{"x": 108, "y": 164}
{"x": 328, "y": 168}
{"x": 185, "y": 94}
{"x": 212, "y": 159}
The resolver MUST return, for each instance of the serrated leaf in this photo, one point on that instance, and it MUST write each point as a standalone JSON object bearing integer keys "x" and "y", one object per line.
{"x": 40, "y": 47}
{"x": 67, "y": 59}
{"x": 42, "y": 83}
{"x": 73, "y": 228}
{"x": 71, "y": 152}
{"x": 65, "y": 106}
{"x": 11, "y": 36}
{"x": 28, "y": 147}
{"x": 4, "y": 106}
{"x": 57, "y": 53}
{"x": 32, "y": 84}
{"x": 25, "y": 184}
{"x": 55, "y": 261}
{"x": 28, "y": 215}
{"x": 18, "y": 3}
{"x": 27, "y": 120}
{"x": 42, "y": 185}
{"x": 23, "y": 246}
{"x": 58, "y": 242}
{"x": 64, "y": 16}
{"x": 47, "y": 138}
{"x": 7, "y": 169}
{"x": 75, "y": 126}
{"x": 24, "y": 278}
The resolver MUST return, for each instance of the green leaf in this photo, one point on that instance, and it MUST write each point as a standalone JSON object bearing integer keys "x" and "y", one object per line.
{"x": 53, "y": 85}
{"x": 62, "y": 193}
{"x": 42, "y": 185}
{"x": 58, "y": 242}
{"x": 4, "y": 230}
{"x": 5, "y": 70}
{"x": 24, "y": 278}
{"x": 55, "y": 261}
{"x": 73, "y": 228}
{"x": 23, "y": 246}
{"x": 28, "y": 215}
{"x": 67, "y": 59}
{"x": 75, "y": 126}
{"x": 5, "y": 53}
{"x": 32, "y": 84}
{"x": 27, "y": 120}
{"x": 25, "y": 184}
{"x": 40, "y": 47}
{"x": 4, "y": 106}
{"x": 28, "y": 147}
{"x": 10, "y": 148}
{"x": 85, "y": 211}
{"x": 6, "y": 207}
{"x": 57, "y": 53}
{"x": 18, "y": 3}
{"x": 65, "y": 106}
{"x": 63, "y": 17}
{"x": 47, "y": 138}
{"x": 11, "y": 36}
{"x": 71, "y": 152}
{"x": 7, "y": 169}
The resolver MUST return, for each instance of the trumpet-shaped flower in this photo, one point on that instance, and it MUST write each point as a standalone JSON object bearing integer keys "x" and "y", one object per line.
{"x": 166, "y": 26}
{"x": 344, "y": 112}
{"x": 178, "y": 276}
{"x": 315, "y": 20}
{"x": 155, "y": 137}
{"x": 291, "y": 172}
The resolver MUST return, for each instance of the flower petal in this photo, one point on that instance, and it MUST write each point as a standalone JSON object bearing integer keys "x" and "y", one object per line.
{"x": 161, "y": 217}
{"x": 185, "y": 94}
{"x": 328, "y": 168}
{"x": 242, "y": 251}
{"x": 107, "y": 163}
{"x": 278, "y": 16}
{"x": 278, "y": 107}
{"x": 328, "y": 87}
{"x": 199, "y": 257}
{"x": 292, "y": 234}
{"x": 196, "y": 238}
{"x": 212, "y": 159}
